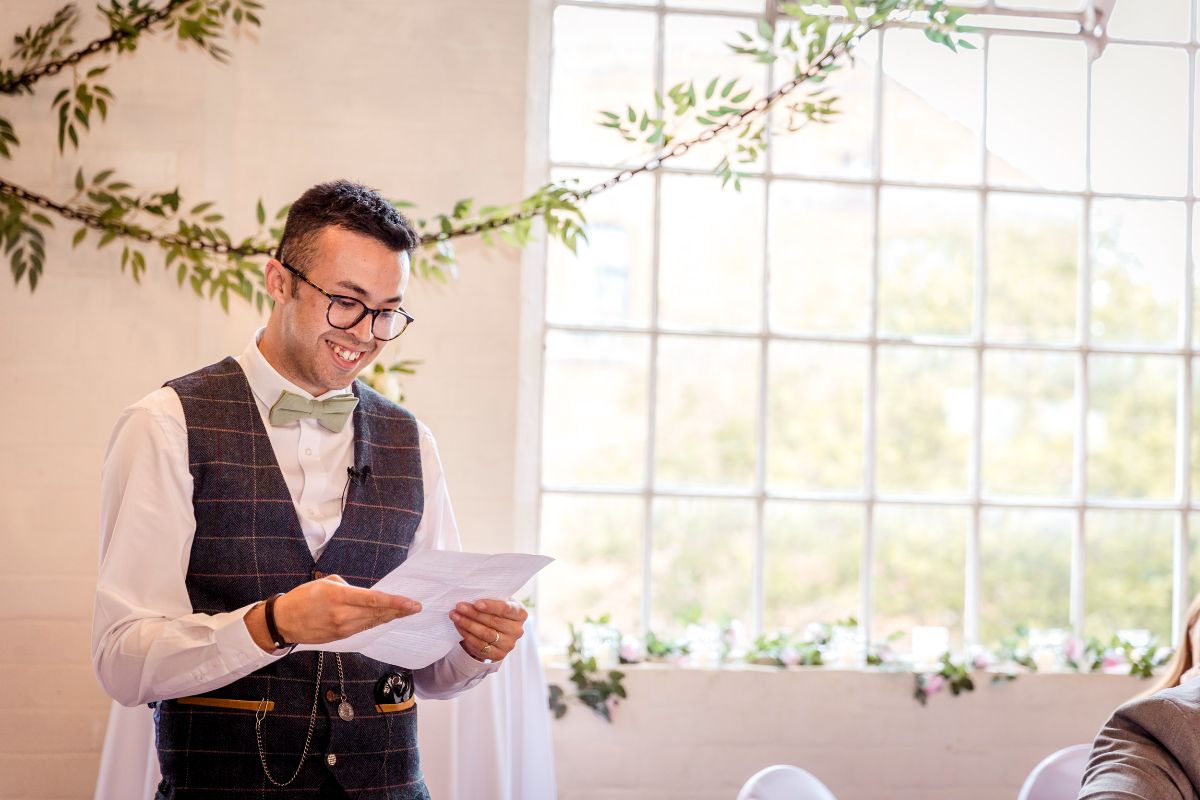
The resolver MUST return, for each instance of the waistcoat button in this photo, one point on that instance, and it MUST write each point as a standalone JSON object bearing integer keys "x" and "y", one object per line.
{"x": 331, "y": 759}
{"x": 331, "y": 695}
{"x": 317, "y": 574}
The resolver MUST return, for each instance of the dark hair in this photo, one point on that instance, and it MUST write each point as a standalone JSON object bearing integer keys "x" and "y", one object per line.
{"x": 341, "y": 204}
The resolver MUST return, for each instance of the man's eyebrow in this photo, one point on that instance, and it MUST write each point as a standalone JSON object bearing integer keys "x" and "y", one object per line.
{"x": 351, "y": 286}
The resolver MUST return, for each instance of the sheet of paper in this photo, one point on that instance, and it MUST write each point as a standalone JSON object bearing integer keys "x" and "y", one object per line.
{"x": 439, "y": 579}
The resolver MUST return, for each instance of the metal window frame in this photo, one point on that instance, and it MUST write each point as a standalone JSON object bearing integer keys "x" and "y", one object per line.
{"x": 870, "y": 498}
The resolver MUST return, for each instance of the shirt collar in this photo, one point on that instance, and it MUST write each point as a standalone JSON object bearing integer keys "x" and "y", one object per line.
{"x": 265, "y": 381}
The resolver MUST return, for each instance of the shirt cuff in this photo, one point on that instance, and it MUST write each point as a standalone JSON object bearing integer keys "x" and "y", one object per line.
{"x": 235, "y": 644}
{"x": 466, "y": 665}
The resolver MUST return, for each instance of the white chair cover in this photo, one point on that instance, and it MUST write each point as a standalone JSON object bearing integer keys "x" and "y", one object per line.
{"x": 784, "y": 782}
{"x": 1058, "y": 776}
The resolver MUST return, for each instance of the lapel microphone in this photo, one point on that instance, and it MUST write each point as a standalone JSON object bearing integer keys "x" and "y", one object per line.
{"x": 359, "y": 476}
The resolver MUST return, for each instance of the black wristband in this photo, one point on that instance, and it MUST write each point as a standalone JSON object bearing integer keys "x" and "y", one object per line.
{"x": 272, "y": 630}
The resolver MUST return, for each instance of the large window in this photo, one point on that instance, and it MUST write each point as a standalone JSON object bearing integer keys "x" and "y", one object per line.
{"x": 933, "y": 365}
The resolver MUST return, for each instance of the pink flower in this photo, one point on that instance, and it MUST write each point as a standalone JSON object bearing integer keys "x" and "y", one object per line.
{"x": 1111, "y": 661}
{"x": 789, "y": 656}
{"x": 611, "y": 703}
{"x": 1072, "y": 648}
{"x": 934, "y": 683}
{"x": 980, "y": 661}
{"x": 631, "y": 651}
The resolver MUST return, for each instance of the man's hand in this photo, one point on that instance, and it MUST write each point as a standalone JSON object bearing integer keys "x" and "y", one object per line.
{"x": 490, "y": 628}
{"x": 326, "y": 610}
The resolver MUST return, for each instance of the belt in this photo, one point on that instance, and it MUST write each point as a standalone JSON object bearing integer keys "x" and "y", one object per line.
{"x": 257, "y": 705}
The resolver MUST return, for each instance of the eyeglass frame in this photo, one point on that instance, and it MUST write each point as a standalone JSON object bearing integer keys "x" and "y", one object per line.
{"x": 374, "y": 312}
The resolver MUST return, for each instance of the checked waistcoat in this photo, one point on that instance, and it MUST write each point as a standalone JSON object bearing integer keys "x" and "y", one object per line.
{"x": 249, "y": 546}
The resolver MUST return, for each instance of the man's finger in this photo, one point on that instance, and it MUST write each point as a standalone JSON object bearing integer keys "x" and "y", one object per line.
{"x": 370, "y": 598}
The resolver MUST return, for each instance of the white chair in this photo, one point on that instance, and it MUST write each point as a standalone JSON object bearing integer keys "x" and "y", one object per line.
{"x": 1058, "y": 776}
{"x": 784, "y": 782}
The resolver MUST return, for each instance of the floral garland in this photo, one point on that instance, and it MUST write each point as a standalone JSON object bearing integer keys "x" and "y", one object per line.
{"x": 596, "y": 645}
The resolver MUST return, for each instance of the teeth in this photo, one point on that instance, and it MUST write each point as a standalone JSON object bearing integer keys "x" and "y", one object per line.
{"x": 348, "y": 355}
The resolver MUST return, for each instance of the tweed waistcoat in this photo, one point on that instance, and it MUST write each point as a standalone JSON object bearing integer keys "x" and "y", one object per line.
{"x": 248, "y": 546}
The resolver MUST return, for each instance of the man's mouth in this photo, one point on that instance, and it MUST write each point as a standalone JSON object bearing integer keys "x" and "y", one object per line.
{"x": 345, "y": 355}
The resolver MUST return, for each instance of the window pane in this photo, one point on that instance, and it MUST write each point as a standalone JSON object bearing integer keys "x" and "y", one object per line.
{"x": 1139, "y": 135}
{"x": 1029, "y": 414}
{"x": 719, "y": 5}
{"x": 702, "y": 565}
{"x": 820, "y": 257}
{"x": 1128, "y": 585}
{"x": 1036, "y": 84}
{"x": 1195, "y": 465}
{"x": 919, "y": 569}
{"x": 707, "y": 411}
{"x": 812, "y": 556}
{"x": 1043, "y": 5}
{"x": 1153, "y": 20}
{"x": 607, "y": 281}
{"x": 924, "y": 413}
{"x": 927, "y": 257}
{"x": 1025, "y": 564}
{"x": 932, "y": 109}
{"x": 598, "y": 543}
{"x": 710, "y": 275}
{"x": 843, "y": 148}
{"x": 1131, "y": 426}
{"x": 1193, "y": 553}
{"x": 588, "y": 75}
{"x": 1033, "y": 261}
{"x": 1138, "y": 251}
{"x": 815, "y": 417}
{"x": 594, "y": 415}
{"x": 696, "y": 49}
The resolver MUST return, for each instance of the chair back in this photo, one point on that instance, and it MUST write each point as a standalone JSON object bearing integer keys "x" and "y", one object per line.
{"x": 1058, "y": 776}
{"x": 784, "y": 782}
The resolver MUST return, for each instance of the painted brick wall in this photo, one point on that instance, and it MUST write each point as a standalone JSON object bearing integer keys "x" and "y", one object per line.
{"x": 423, "y": 99}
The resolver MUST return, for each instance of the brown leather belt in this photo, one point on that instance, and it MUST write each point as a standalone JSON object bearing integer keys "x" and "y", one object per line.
{"x": 257, "y": 705}
{"x": 219, "y": 702}
{"x": 388, "y": 708}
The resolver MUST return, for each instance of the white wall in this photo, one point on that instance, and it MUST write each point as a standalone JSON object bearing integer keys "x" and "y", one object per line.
{"x": 694, "y": 734}
{"x": 422, "y": 99}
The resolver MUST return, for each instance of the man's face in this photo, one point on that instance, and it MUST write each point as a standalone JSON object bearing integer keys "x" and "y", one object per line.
{"x": 306, "y": 348}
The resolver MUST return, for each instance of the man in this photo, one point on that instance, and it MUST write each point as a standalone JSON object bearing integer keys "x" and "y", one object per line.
{"x": 1148, "y": 750}
{"x": 245, "y": 509}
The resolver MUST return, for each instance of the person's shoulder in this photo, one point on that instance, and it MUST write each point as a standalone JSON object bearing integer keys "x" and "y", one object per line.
{"x": 162, "y": 404}
{"x": 1163, "y": 710}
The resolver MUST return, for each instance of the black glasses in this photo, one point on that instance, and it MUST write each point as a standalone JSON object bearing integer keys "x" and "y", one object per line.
{"x": 346, "y": 312}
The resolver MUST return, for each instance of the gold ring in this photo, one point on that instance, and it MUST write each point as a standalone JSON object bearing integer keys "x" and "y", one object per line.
{"x": 497, "y": 637}
{"x": 485, "y": 649}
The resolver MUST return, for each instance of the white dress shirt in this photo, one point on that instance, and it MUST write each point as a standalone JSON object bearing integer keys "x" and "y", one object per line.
{"x": 147, "y": 643}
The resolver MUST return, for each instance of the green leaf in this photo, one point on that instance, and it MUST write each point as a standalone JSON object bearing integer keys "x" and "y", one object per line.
{"x": 261, "y": 212}
{"x": 79, "y": 180}
{"x": 712, "y": 87}
{"x": 80, "y": 235}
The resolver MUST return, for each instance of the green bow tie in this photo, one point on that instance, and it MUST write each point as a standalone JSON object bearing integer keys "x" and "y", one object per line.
{"x": 332, "y": 413}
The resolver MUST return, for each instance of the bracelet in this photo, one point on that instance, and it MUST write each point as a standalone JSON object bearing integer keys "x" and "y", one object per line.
{"x": 272, "y": 630}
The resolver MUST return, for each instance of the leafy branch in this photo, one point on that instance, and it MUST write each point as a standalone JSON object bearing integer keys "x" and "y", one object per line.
{"x": 599, "y": 692}
{"x": 813, "y": 39}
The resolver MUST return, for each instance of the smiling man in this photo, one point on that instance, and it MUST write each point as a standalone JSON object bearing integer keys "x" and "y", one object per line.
{"x": 246, "y": 508}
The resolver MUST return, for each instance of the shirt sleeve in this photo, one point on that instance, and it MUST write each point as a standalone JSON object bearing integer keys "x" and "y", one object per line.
{"x": 458, "y": 670}
{"x": 147, "y": 644}
{"x": 1132, "y": 757}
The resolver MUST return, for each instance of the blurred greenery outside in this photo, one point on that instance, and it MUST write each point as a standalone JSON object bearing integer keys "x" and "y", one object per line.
{"x": 811, "y": 239}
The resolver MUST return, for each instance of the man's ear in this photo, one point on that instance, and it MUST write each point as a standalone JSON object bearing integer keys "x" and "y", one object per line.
{"x": 278, "y": 281}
